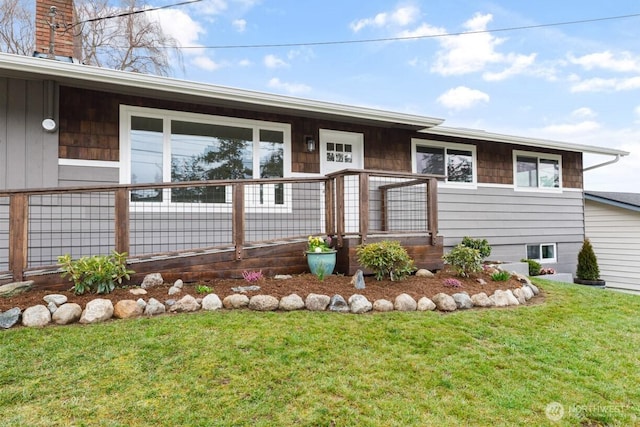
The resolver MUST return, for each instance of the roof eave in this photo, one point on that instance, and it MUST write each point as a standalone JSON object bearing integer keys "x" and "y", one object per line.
{"x": 526, "y": 141}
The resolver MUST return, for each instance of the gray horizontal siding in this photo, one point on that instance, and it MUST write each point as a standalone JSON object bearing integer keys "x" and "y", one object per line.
{"x": 77, "y": 176}
{"x": 510, "y": 220}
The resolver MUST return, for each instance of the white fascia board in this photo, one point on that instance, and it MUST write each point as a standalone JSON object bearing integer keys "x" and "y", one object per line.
{"x": 53, "y": 70}
{"x": 520, "y": 140}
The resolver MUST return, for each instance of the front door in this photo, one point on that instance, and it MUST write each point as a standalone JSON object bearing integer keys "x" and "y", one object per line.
{"x": 344, "y": 150}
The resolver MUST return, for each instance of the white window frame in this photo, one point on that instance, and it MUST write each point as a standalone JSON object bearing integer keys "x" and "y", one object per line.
{"x": 543, "y": 260}
{"x": 127, "y": 111}
{"x": 416, "y": 142}
{"x": 539, "y": 156}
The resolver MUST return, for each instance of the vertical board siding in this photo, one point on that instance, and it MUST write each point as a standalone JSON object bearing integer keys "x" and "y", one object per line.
{"x": 510, "y": 220}
{"x": 4, "y": 234}
{"x": 615, "y": 235}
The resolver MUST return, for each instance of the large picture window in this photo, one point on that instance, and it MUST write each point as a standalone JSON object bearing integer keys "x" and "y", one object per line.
{"x": 455, "y": 161}
{"x": 537, "y": 170}
{"x": 165, "y": 146}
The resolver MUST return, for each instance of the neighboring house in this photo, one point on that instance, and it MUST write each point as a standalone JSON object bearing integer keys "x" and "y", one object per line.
{"x": 612, "y": 224}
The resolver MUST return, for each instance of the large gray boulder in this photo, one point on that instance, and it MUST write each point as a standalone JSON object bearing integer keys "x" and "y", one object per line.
{"x": 383, "y": 305}
{"x": 358, "y": 280}
{"x": 291, "y": 302}
{"x": 528, "y": 292}
{"x": 211, "y": 302}
{"x": 425, "y": 304}
{"x": 338, "y": 304}
{"x": 359, "y": 304}
{"x": 405, "y": 302}
{"x": 67, "y": 313}
{"x": 519, "y": 294}
{"x": 37, "y": 316}
{"x": 482, "y": 300}
{"x": 235, "y": 301}
{"x": 444, "y": 302}
{"x": 15, "y": 288}
{"x": 57, "y": 299}
{"x": 263, "y": 303}
{"x": 186, "y": 304}
{"x": 317, "y": 302}
{"x": 154, "y": 307}
{"x": 463, "y": 301}
{"x": 151, "y": 280}
{"x": 96, "y": 311}
{"x": 424, "y": 273}
{"x": 10, "y": 317}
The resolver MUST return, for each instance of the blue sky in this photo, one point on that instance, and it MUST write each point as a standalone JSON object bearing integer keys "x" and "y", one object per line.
{"x": 574, "y": 83}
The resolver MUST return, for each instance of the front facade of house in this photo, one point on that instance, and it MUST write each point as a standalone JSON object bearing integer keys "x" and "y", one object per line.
{"x": 523, "y": 195}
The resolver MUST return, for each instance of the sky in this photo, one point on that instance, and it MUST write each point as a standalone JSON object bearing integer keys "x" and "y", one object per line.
{"x": 577, "y": 83}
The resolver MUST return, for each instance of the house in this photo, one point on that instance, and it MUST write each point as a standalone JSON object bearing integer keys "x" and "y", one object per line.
{"x": 612, "y": 224}
{"x": 66, "y": 125}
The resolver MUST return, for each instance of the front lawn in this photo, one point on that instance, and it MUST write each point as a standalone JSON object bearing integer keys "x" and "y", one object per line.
{"x": 573, "y": 358}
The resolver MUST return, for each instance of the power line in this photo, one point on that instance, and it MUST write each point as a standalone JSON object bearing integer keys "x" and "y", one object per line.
{"x": 429, "y": 36}
{"x": 134, "y": 12}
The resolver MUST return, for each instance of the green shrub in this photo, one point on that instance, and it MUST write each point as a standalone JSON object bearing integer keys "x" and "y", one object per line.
{"x": 464, "y": 260}
{"x": 386, "y": 258}
{"x": 587, "y": 263}
{"x": 203, "y": 289}
{"x": 97, "y": 274}
{"x": 500, "y": 276}
{"x": 534, "y": 266}
{"x": 480, "y": 244}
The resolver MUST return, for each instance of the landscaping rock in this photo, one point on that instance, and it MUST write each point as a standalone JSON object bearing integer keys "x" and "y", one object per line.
{"x": 316, "y": 302}
{"x": 52, "y": 307}
{"x": 151, "y": 280}
{"x": 512, "y": 298}
{"x": 37, "y": 316}
{"x": 178, "y": 284}
{"x": 481, "y": 281}
{"x": 482, "y": 300}
{"x": 282, "y": 277}
{"x": 211, "y": 302}
{"x": 424, "y": 273}
{"x": 15, "y": 288}
{"x": 67, "y": 313}
{"x": 405, "y": 302}
{"x": 9, "y": 318}
{"x": 523, "y": 279}
{"x": 534, "y": 288}
{"x": 338, "y": 304}
{"x": 126, "y": 309}
{"x": 154, "y": 307}
{"x": 57, "y": 299}
{"x": 444, "y": 302}
{"x": 519, "y": 294}
{"x": 185, "y": 304}
{"x": 291, "y": 302}
{"x": 97, "y": 310}
{"x": 245, "y": 289}
{"x": 174, "y": 291}
{"x": 235, "y": 301}
{"x": 504, "y": 298}
{"x": 528, "y": 292}
{"x": 141, "y": 303}
{"x": 382, "y": 305}
{"x": 463, "y": 301}
{"x": 263, "y": 303}
{"x": 138, "y": 291}
{"x": 425, "y": 304}
{"x": 170, "y": 302}
{"x": 358, "y": 280}
{"x": 359, "y": 304}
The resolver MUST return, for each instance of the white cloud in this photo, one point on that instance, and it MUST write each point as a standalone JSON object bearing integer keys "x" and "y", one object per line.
{"x": 179, "y": 25}
{"x": 423, "y": 30}
{"x": 583, "y": 113}
{"x": 400, "y": 17}
{"x": 272, "y": 61}
{"x": 292, "y": 88}
{"x": 462, "y": 97}
{"x": 245, "y": 63}
{"x": 239, "y": 24}
{"x": 572, "y": 128}
{"x": 469, "y": 53}
{"x": 636, "y": 111}
{"x": 205, "y": 63}
{"x": 599, "y": 84}
{"x": 621, "y": 62}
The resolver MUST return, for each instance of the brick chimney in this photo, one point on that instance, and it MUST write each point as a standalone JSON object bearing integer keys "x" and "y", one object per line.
{"x": 61, "y": 19}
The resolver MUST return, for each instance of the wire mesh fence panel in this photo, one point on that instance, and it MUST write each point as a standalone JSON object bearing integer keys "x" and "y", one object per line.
{"x": 182, "y": 219}
{"x": 286, "y": 210}
{"x": 397, "y": 205}
{"x": 4, "y": 234}
{"x": 79, "y": 224}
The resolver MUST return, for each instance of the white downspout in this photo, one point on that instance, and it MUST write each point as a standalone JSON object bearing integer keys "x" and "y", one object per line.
{"x": 610, "y": 162}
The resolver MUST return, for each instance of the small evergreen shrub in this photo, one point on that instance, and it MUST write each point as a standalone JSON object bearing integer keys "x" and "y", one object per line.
{"x": 386, "y": 258}
{"x": 98, "y": 273}
{"x": 500, "y": 276}
{"x": 464, "y": 260}
{"x": 587, "y": 263}
{"x": 203, "y": 289}
{"x": 534, "y": 266}
{"x": 480, "y": 244}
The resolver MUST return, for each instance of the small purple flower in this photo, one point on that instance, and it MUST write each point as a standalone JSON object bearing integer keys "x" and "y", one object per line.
{"x": 452, "y": 283}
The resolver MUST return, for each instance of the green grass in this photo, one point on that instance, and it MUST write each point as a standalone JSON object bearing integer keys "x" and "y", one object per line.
{"x": 479, "y": 367}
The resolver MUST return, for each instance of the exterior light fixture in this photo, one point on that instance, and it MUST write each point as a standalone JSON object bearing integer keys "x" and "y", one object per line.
{"x": 309, "y": 144}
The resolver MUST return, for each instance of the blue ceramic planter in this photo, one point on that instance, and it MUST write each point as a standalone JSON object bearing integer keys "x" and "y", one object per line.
{"x": 321, "y": 263}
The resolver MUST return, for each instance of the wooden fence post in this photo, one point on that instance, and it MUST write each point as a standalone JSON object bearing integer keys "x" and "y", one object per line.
{"x": 432, "y": 209}
{"x": 340, "y": 209}
{"x": 363, "y": 185}
{"x": 238, "y": 215}
{"x": 329, "y": 207}
{"x": 18, "y": 235}
{"x": 122, "y": 220}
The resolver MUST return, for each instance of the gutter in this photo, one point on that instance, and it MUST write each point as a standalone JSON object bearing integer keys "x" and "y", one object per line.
{"x": 610, "y": 162}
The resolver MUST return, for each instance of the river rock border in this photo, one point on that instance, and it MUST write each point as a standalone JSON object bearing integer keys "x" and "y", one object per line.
{"x": 59, "y": 312}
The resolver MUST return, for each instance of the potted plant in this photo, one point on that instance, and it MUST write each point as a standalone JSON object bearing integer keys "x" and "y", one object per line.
{"x": 321, "y": 257}
{"x": 587, "y": 271}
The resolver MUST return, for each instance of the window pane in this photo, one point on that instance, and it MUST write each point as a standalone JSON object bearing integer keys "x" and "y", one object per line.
{"x": 146, "y": 157}
{"x": 459, "y": 166}
{"x": 430, "y": 160}
{"x": 549, "y": 173}
{"x": 533, "y": 251}
{"x": 527, "y": 172}
{"x": 548, "y": 252}
{"x": 272, "y": 162}
{"x": 202, "y": 152}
